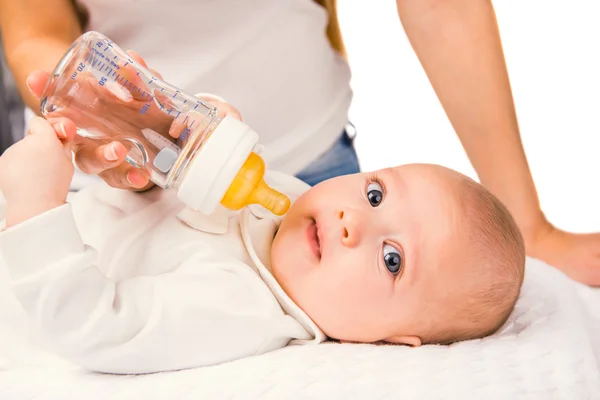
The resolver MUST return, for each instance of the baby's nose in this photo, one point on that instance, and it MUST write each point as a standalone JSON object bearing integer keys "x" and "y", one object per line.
{"x": 350, "y": 227}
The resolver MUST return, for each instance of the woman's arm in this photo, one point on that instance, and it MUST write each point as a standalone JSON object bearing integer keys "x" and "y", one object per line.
{"x": 459, "y": 47}
{"x": 35, "y": 35}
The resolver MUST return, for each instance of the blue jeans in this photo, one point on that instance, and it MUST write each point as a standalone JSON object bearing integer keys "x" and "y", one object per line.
{"x": 340, "y": 159}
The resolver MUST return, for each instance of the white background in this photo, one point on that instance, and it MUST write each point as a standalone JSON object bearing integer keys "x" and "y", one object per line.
{"x": 552, "y": 52}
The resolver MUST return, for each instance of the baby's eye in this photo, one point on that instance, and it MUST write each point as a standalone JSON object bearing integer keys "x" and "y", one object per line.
{"x": 392, "y": 258}
{"x": 374, "y": 193}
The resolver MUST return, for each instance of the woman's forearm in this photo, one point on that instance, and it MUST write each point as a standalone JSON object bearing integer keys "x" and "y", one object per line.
{"x": 458, "y": 44}
{"x": 35, "y": 35}
{"x": 36, "y": 54}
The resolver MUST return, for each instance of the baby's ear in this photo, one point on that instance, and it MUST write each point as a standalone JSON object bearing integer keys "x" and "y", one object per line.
{"x": 413, "y": 341}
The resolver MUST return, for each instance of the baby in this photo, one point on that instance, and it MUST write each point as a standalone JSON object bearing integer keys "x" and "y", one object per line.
{"x": 124, "y": 282}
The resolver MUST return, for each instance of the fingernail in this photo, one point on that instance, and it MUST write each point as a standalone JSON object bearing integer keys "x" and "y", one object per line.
{"x": 62, "y": 131}
{"x": 109, "y": 153}
{"x": 136, "y": 178}
{"x": 119, "y": 91}
{"x": 131, "y": 178}
{"x": 28, "y": 86}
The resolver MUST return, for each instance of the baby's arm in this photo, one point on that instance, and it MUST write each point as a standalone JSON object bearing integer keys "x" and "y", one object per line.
{"x": 35, "y": 173}
{"x": 203, "y": 313}
{"x": 206, "y": 311}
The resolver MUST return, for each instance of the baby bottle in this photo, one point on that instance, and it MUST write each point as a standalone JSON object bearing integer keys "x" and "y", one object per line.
{"x": 111, "y": 97}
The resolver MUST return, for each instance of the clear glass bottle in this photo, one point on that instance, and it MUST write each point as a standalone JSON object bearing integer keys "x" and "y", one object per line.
{"x": 178, "y": 140}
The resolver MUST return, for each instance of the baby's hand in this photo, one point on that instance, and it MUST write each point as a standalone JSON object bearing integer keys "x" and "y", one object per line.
{"x": 36, "y": 172}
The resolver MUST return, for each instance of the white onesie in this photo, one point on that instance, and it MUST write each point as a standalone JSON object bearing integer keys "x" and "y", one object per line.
{"x": 121, "y": 282}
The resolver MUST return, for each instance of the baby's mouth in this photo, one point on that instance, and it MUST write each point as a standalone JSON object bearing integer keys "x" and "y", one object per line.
{"x": 313, "y": 238}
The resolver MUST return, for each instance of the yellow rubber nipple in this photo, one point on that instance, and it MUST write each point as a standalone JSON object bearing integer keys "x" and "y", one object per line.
{"x": 248, "y": 187}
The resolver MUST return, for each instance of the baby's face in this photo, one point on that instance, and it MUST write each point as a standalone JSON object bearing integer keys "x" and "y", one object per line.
{"x": 363, "y": 255}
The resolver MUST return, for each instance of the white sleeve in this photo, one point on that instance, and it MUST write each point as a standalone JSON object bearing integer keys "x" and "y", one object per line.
{"x": 203, "y": 314}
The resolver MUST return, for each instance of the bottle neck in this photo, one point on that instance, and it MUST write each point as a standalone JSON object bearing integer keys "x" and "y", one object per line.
{"x": 209, "y": 167}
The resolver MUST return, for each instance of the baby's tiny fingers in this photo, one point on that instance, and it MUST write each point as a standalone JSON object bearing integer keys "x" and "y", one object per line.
{"x": 39, "y": 126}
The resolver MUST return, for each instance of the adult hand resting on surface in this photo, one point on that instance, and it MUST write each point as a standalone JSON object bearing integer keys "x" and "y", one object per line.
{"x": 577, "y": 255}
{"x": 108, "y": 160}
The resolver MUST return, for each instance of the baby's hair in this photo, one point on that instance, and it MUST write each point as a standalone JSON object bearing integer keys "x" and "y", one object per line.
{"x": 496, "y": 264}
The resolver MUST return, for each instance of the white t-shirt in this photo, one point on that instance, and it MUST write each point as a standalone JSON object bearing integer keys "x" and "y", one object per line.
{"x": 269, "y": 58}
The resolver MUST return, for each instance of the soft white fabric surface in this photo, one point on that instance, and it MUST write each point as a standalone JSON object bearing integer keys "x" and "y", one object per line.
{"x": 549, "y": 349}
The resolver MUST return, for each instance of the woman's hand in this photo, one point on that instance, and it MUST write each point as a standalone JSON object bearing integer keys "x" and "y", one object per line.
{"x": 107, "y": 160}
{"x": 577, "y": 255}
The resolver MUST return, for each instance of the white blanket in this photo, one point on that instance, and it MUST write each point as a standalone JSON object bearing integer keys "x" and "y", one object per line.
{"x": 549, "y": 349}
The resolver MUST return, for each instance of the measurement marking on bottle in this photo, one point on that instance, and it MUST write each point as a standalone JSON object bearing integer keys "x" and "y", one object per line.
{"x": 175, "y": 95}
{"x": 106, "y": 48}
{"x": 192, "y": 124}
{"x": 117, "y": 77}
{"x": 114, "y": 72}
{"x": 162, "y": 89}
{"x": 197, "y": 104}
{"x": 138, "y": 74}
{"x": 115, "y": 57}
{"x": 94, "y": 63}
{"x": 178, "y": 114}
{"x": 127, "y": 80}
{"x": 170, "y": 111}
{"x": 184, "y": 101}
{"x": 186, "y": 118}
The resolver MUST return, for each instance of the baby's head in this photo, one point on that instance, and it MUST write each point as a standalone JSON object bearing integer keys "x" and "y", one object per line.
{"x": 414, "y": 254}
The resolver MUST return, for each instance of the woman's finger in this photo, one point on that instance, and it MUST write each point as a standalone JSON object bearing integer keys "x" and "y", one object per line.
{"x": 126, "y": 177}
{"x": 225, "y": 108}
{"x": 134, "y": 54}
{"x": 93, "y": 159}
{"x": 65, "y": 128}
{"x": 36, "y": 82}
{"x": 136, "y": 57}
